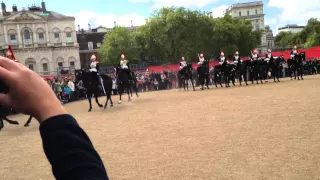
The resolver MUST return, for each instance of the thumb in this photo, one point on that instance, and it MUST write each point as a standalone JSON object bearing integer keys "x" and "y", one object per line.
{"x": 5, "y": 101}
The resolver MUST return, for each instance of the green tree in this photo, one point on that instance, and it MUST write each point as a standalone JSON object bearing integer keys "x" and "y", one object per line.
{"x": 231, "y": 34}
{"x": 120, "y": 38}
{"x": 308, "y": 37}
{"x": 175, "y": 32}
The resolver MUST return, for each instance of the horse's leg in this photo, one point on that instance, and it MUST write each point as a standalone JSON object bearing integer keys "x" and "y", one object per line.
{"x": 261, "y": 75}
{"x": 97, "y": 100}
{"x": 89, "y": 96}
{"x": 301, "y": 72}
{"x": 129, "y": 98}
{"x": 187, "y": 84}
{"x": 207, "y": 81}
{"x": 192, "y": 85}
{"x": 108, "y": 95}
{"x": 28, "y": 122}
{"x": 10, "y": 121}
{"x": 1, "y": 124}
{"x": 120, "y": 95}
{"x": 215, "y": 79}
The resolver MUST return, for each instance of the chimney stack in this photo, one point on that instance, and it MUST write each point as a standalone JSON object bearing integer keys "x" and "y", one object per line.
{"x": 14, "y": 8}
{"x": 78, "y": 27}
{"x": 89, "y": 26}
{"x": 43, "y": 6}
{"x": 3, "y": 7}
{"x": 131, "y": 23}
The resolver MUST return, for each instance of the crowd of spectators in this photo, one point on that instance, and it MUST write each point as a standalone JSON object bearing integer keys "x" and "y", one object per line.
{"x": 68, "y": 90}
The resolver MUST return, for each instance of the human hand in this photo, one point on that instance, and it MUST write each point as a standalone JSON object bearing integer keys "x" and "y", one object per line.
{"x": 28, "y": 92}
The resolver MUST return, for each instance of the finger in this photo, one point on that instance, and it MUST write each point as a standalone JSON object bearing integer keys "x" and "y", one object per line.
{"x": 7, "y": 63}
{"x": 5, "y": 75}
{"x": 5, "y": 101}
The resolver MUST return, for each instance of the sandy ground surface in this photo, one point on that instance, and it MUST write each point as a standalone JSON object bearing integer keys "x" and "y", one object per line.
{"x": 269, "y": 131}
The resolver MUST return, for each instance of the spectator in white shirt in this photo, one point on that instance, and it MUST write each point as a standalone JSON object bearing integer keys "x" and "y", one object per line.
{"x": 72, "y": 89}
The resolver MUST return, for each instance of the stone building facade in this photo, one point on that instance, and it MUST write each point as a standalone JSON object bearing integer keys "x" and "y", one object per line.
{"x": 252, "y": 11}
{"x": 269, "y": 37}
{"x": 44, "y": 41}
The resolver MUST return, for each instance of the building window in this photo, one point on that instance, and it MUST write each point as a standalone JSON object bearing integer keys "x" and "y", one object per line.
{"x": 90, "y": 45}
{"x": 57, "y": 36}
{"x": 69, "y": 36}
{"x": 30, "y": 66}
{"x": 239, "y": 13}
{"x": 257, "y": 21}
{"x": 27, "y": 35}
{"x": 72, "y": 64}
{"x": 13, "y": 37}
{"x": 98, "y": 45}
{"x": 256, "y": 11}
{"x": 257, "y": 27}
{"x": 60, "y": 64}
{"x": 41, "y": 37}
{"x": 45, "y": 67}
{"x": 248, "y": 13}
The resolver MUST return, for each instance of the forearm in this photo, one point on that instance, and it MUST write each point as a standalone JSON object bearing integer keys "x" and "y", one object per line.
{"x": 69, "y": 150}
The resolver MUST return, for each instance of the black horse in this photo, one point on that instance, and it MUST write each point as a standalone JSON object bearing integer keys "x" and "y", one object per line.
{"x": 134, "y": 84}
{"x": 124, "y": 83}
{"x": 242, "y": 71}
{"x": 257, "y": 72}
{"x": 3, "y": 117}
{"x": 222, "y": 70}
{"x": 204, "y": 74}
{"x": 107, "y": 84}
{"x": 295, "y": 65}
{"x": 91, "y": 83}
{"x": 276, "y": 67}
{"x": 186, "y": 76}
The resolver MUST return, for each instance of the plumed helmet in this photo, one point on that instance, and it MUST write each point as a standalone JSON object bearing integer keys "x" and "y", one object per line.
{"x": 255, "y": 51}
{"x": 93, "y": 57}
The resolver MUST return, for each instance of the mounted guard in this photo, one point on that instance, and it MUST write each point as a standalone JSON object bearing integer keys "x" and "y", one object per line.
{"x": 183, "y": 65}
{"x": 236, "y": 59}
{"x": 124, "y": 65}
{"x": 222, "y": 59}
{"x": 294, "y": 53}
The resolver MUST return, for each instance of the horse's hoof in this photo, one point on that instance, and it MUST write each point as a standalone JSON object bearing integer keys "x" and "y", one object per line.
{"x": 100, "y": 105}
{"x": 26, "y": 125}
{"x": 89, "y": 110}
{"x": 119, "y": 102}
{"x": 111, "y": 105}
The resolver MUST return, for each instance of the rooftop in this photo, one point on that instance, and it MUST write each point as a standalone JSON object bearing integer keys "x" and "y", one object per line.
{"x": 288, "y": 26}
{"x": 33, "y": 9}
{"x": 248, "y": 4}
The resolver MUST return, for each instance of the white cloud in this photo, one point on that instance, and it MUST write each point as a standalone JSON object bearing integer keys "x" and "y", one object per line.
{"x": 219, "y": 11}
{"x": 295, "y": 11}
{"x": 96, "y": 19}
{"x": 185, "y": 3}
